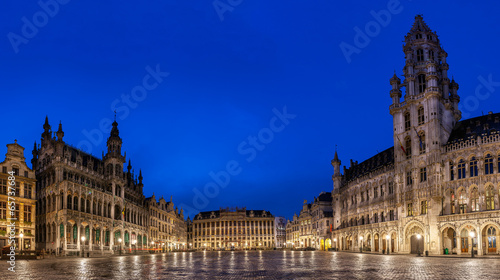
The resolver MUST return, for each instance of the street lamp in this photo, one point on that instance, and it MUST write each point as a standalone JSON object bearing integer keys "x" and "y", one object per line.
{"x": 335, "y": 240}
{"x": 387, "y": 237}
{"x": 120, "y": 242}
{"x": 472, "y": 234}
{"x": 418, "y": 245}
{"x": 21, "y": 236}
{"x": 361, "y": 240}
{"x": 83, "y": 246}
{"x": 162, "y": 247}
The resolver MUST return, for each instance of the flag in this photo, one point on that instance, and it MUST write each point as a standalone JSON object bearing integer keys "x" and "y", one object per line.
{"x": 402, "y": 148}
{"x": 123, "y": 211}
{"x": 419, "y": 138}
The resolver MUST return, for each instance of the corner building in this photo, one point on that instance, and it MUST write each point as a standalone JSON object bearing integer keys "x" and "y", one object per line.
{"x": 439, "y": 182}
{"x": 23, "y": 197}
{"x": 79, "y": 195}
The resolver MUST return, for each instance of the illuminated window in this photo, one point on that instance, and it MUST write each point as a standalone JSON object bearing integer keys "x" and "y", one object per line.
{"x": 410, "y": 209}
{"x": 474, "y": 199}
{"x": 452, "y": 202}
{"x": 462, "y": 199}
{"x": 423, "y": 207}
{"x": 490, "y": 200}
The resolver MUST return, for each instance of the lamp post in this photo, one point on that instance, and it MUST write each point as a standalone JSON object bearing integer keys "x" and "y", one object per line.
{"x": 21, "y": 236}
{"x": 387, "y": 237}
{"x": 472, "y": 234}
{"x": 162, "y": 247}
{"x": 335, "y": 240}
{"x": 361, "y": 241}
{"x": 152, "y": 245}
{"x": 418, "y": 245}
{"x": 120, "y": 242}
{"x": 83, "y": 246}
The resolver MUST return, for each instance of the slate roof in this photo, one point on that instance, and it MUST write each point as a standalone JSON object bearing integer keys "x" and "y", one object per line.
{"x": 471, "y": 128}
{"x": 379, "y": 160}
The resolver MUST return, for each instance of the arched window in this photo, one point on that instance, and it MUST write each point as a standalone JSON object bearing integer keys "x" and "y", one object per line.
{"x": 407, "y": 121}
{"x": 421, "y": 83}
{"x": 409, "y": 181}
{"x": 421, "y": 116}
{"x": 452, "y": 174}
{"x": 488, "y": 164}
{"x": 408, "y": 148}
{"x": 473, "y": 167}
{"x": 420, "y": 54}
{"x": 452, "y": 202}
{"x": 422, "y": 143}
{"x": 462, "y": 199}
{"x": 69, "y": 199}
{"x": 75, "y": 203}
{"x": 461, "y": 169}
{"x": 490, "y": 200}
{"x": 474, "y": 200}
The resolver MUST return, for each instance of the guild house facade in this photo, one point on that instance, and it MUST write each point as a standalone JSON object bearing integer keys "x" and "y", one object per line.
{"x": 91, "y": 205}
{"x": 437, "y": 188}
{"x": 232, "y": 229}
{"x": 21, "y": 180}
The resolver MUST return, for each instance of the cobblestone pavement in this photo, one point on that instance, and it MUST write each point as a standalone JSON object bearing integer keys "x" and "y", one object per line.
{"x": 256, "y": 265}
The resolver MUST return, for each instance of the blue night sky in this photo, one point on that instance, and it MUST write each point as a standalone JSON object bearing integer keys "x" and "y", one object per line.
{"x": 230, "y": 71}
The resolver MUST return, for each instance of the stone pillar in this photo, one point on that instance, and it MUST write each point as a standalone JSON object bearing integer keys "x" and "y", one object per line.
{"x": 78, "y": 241}
{"x": 91, "y": 229}
{"x": 479, "y": 242}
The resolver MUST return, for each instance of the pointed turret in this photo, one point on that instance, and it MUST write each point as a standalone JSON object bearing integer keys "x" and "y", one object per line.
{"x": 60, "y": 132}
{"x": 47, "y": 134}
{"x": 140, "y": 176}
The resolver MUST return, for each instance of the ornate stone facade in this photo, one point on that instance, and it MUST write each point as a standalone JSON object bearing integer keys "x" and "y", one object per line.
{"x": 87, "y": 204}
{"x": 438, "y": 183}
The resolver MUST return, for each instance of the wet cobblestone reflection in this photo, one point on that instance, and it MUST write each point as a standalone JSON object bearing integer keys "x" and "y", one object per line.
{"x": 257, "y": 265}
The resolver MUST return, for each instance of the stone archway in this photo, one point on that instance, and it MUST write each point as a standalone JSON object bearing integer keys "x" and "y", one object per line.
{"x": 490, "y": 236}
{"x": 414, "y": 238}
{"x": 449, "y": 240}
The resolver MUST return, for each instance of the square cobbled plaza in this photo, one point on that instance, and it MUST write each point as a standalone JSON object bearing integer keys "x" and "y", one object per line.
{"x": 260, "y": 265}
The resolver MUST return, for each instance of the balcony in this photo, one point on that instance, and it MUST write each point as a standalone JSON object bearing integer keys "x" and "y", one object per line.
{"x": 469, "y": 216}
